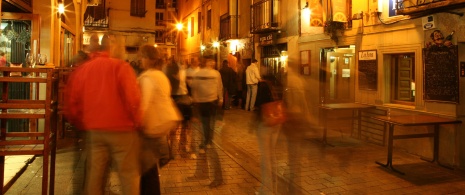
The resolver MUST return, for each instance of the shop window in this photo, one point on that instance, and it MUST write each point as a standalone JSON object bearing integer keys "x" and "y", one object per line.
{"x": 199, "y": 22}
{"x": 403, "y": 78}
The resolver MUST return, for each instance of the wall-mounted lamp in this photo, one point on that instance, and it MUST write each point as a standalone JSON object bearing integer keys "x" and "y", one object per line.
{"x": 179, "y": 26}
{"x": 306, "y": 10}
{"x": 61, "y": 8}
{"x": 216, "y": 44}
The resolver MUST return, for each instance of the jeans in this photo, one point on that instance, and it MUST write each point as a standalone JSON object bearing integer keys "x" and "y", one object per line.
{"x": 251, "y": 96}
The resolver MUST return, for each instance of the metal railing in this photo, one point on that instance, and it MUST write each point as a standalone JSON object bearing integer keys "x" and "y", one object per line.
{"x": 228, "y": 26}
{"x": 264, "y": 16}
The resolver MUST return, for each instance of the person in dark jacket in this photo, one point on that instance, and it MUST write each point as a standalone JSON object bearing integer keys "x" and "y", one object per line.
{"x": 228, "y": 77}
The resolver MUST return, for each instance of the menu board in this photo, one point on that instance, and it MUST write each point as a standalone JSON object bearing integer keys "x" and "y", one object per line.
{"x": 441, "y": 76}
{"x": 367, "y": 70}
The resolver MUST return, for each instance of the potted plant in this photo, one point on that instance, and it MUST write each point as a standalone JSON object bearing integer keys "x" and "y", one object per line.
{"x": 332, "y": 28}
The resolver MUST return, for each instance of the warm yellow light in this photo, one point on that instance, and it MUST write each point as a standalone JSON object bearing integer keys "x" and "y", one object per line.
{"x": 61, "y": 8}
{"x": 284, "y": 56}
{"x": 202, "y": 47}
{"x": 216, "y": 44}
{"x": 233, "y": 45}
{"x": 155, "y": 45}
{"x": 179, "y": 26}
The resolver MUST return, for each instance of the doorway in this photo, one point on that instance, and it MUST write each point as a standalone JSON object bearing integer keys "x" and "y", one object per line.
{"x": 337, "y": 75}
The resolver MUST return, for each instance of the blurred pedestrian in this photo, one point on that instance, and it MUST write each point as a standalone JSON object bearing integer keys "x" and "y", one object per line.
{"x": 177, "y": 77}
{"x": 103, "y": 98}
{"x": 228, "y": 77}
{"x": 207, "y": 94}
{"x": 252, "y": 76}
{"x": 159, "y": 117}
{"x": 269, "y": 90}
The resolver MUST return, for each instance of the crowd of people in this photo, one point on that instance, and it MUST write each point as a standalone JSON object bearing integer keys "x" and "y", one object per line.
{"x": 127, "y": 114}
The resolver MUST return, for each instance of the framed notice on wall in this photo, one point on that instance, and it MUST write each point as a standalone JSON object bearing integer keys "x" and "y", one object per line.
{"x": 305, "y": 62}
{"x": 441, "y": 74}
{"x": 368, "y": 70}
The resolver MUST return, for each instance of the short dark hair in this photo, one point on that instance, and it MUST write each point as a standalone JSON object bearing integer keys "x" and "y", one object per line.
{"x": 254, "y": 60}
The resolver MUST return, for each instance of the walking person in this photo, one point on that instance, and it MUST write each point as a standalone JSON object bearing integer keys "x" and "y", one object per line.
{"x": 103, "y": 99}
{"x": 177, "y": 76}
{"x": 228, "y": 77}
{"x": 159, "y": 117}
{"x": 252, "y": 76}
{"x": 270, "y": 89}
{"x": 207, "y": 94}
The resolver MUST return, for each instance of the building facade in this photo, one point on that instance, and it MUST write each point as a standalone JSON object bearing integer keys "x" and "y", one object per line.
{"x": 372, "y": 52}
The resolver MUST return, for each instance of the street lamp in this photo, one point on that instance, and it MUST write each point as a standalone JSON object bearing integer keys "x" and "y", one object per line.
{"x": 179, "y": 27}
{"x": 216, "y": 45}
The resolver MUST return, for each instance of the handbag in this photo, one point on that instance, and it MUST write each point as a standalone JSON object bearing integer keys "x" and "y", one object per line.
{"x": 273, "y": 113}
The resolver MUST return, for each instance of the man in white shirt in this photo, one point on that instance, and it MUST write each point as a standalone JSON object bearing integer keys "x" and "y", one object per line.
{"x": 252, "y": 76}
{"x": 207, "y": 94}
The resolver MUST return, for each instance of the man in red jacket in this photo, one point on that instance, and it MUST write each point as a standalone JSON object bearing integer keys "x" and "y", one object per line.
{"x": 102, "y": 98}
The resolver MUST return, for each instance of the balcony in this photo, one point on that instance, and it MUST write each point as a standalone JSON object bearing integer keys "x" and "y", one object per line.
{"x": 228, "y": 27}
{"x": 264, "y": 16}
{"x": 427, "y": 7}
{"x": 96, "y": 16}
{"x": 22, "y": 6}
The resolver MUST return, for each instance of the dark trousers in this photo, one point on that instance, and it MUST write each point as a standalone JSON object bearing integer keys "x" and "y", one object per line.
{"x": 150, "y": 182}
{"x": 207, "y": 112}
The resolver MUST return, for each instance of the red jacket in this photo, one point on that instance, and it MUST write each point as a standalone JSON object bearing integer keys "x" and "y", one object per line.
{"x": 103, "y": 94}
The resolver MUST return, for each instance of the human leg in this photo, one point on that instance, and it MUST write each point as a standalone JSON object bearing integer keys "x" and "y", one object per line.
{"x": 125, "y": 151}
{"x": 205, "y": 118}
{"x": 96, "y": 165}
{"x": 253, "y": 96}
{"x": 267, "y": 138}
{"x": 248, "y": 96}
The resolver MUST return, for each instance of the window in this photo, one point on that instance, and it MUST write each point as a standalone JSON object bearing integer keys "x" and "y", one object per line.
{"x": 159, "y": 36}
{"x": 199, "y": 22}
{"x": 138, "y": 8}
{"x": 159, "y": 19}
{"x": 209, "y": 18}
{"x": 403, "y": 78}
{"x": 160, "y": 4}
{"x": 191, "y": 29}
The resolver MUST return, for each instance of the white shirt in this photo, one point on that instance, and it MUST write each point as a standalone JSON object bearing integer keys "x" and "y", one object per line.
{"x": 207, "y": 85}
{"x": 252, "y": 74}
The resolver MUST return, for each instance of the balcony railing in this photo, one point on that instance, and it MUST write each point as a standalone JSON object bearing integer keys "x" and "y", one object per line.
{"x": 425, "y": 7}
{"x": 264, "y": 16}
{"x": 228, "y": 27}
{"x": 96, "y": 16}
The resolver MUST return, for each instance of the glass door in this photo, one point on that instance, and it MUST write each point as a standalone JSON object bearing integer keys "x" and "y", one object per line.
{"x": 339, "y": 83}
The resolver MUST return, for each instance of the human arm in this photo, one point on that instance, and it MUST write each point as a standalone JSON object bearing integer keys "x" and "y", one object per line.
{"x": 130, "y": 92}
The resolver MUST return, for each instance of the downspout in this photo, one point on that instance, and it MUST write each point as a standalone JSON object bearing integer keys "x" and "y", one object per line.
{"x": 237, "y": 19}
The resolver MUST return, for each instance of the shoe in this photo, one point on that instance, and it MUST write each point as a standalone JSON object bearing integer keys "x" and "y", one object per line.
{"x": 215, "y": 184}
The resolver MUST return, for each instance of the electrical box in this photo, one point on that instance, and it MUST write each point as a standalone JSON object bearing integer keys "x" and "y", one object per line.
{"x": 376, "y": 6}
{"x": 429, "y": 22}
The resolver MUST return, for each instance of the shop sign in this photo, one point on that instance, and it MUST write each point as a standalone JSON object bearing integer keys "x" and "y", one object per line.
{"x": 266, "y": 39}
{"x": 367, "y": 55}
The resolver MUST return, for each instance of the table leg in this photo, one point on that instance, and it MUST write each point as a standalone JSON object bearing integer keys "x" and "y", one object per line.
{"x": 436, "y": 149}
{"x": 325, "y": 127}
{"x": 390, "y": 148}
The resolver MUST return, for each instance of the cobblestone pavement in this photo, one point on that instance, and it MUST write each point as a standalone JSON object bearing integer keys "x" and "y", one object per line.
{"x": 305, "y": 165}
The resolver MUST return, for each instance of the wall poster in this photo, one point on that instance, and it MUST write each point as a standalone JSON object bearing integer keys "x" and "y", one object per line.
{"x": 368, "y": 70}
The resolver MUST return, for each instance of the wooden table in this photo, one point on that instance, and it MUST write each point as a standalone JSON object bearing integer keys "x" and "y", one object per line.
{"x": 342, "y": 106}
{"x": 413, "y": 120}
